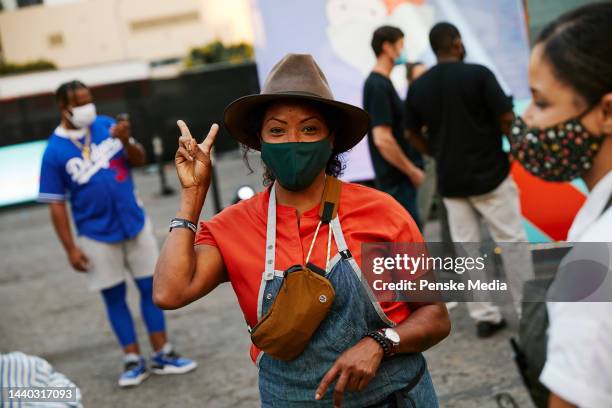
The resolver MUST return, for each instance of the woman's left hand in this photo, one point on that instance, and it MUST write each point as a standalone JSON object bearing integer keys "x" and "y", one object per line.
{"x": 354, "y": 369}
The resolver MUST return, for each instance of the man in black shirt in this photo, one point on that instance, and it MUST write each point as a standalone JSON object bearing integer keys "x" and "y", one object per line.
{"x": 465, "y": 112}
{"x": 396, "y": 163}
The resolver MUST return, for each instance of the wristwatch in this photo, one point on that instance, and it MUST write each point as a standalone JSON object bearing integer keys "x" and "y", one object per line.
{"x": 392, "y": 338}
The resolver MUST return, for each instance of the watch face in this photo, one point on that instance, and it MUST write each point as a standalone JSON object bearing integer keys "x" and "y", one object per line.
{"x": 392, "y": 335}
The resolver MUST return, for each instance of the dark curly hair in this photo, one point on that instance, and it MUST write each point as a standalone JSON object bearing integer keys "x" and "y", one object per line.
{"x": 65, "y": 92}
{"x": 335, "y": 165}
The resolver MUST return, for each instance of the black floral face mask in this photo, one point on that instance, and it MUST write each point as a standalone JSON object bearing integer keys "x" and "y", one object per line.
{"x": 562, "y": 152}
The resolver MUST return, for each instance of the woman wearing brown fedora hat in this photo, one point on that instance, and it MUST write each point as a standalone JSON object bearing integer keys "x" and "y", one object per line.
{"x": 319, "y": 335}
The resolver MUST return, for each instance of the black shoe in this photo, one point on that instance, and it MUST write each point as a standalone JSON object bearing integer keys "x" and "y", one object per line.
{"x": 487, "y": 329}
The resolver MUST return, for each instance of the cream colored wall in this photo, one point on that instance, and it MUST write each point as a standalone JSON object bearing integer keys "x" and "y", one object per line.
{"x": 162, "y": 29}
{"x": 98, "y": 31}
{"x": 89, "y": 31}
{"x": 229, "y": 20}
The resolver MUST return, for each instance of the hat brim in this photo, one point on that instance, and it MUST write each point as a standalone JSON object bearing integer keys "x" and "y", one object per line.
{"x": 352, "y": 122}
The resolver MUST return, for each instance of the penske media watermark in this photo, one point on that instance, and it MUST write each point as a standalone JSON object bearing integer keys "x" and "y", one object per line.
{"x": 424, "y": 284}
{"x": 410, "y": 264}
{"x": 429, "y": 272}
{"x": 476, "y": 272}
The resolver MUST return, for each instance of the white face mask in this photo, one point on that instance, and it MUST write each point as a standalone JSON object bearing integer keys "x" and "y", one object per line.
{"x": 83, "y": 116}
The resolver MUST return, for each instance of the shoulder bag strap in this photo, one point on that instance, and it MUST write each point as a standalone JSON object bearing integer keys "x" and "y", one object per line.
{"x": 330, "y": 199}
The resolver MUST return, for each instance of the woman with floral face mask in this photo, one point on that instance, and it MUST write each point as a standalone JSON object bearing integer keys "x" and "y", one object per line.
{"x": 566, "y": 133}
{"x": 363, "y": 353}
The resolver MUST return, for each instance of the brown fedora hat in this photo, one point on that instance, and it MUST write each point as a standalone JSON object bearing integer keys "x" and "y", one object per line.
{"x": 296, "y": 76}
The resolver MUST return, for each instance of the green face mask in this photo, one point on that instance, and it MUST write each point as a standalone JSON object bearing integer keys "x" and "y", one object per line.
{"x": 296, "y": 164}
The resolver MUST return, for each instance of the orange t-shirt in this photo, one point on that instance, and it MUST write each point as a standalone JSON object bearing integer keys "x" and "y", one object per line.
{"x": 239, "y": 232}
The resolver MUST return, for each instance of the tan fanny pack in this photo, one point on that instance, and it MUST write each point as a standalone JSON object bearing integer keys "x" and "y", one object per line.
{"x": 304, "y": 297}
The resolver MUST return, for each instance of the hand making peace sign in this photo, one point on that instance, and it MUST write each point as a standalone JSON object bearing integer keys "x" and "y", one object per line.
{"x": 192, "y": 159}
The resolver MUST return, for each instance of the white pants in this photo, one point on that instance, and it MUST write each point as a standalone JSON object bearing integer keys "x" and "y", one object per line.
{"x": 110, "y": 263}
{"x": 501, "y": 212}
{"x": 427, "y": 190}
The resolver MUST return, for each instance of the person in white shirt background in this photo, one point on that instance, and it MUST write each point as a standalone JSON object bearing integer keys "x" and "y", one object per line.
{"x": 566, "y": 133}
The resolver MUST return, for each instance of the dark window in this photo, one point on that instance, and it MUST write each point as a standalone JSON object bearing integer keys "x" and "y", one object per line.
{"x": 25, "y": 3}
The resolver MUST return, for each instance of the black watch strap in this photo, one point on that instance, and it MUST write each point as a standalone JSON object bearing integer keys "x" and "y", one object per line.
{"x": 380, "y": 339}
{"x": 182, "y": 223}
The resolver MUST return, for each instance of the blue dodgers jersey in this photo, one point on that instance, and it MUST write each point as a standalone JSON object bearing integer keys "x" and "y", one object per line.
{"x": 101, "y": 191}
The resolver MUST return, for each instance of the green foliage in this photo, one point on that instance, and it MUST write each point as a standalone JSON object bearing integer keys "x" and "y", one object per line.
{"x": 216, "y": 51}
{"x": 32, "y": 66}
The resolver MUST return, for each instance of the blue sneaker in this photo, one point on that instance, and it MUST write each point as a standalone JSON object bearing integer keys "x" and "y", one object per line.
{"x": 167, "y": 361}
{"x": 134, "y": 374}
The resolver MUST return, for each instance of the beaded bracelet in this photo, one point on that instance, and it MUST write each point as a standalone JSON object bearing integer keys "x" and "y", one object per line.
{"x": 379, "y": 338}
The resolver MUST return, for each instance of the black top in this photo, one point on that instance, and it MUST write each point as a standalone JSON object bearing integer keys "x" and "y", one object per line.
{"x": 461, "y": 104}
{"x": 381, "y": 101}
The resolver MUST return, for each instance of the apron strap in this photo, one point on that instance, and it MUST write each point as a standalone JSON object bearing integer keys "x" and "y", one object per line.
{"x": 339, "y": 236}
{"x": 346, "y": 254}
{"x": 270, "y": 235}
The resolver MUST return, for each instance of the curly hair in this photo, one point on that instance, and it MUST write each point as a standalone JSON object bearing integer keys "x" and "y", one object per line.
{"x": 65, "y": 92}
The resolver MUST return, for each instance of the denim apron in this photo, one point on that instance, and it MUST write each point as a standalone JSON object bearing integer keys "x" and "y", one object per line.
{"x": 354, "y": 313}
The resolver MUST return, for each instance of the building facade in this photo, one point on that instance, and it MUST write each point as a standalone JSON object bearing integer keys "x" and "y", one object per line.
{"x": 72, "y": 33}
